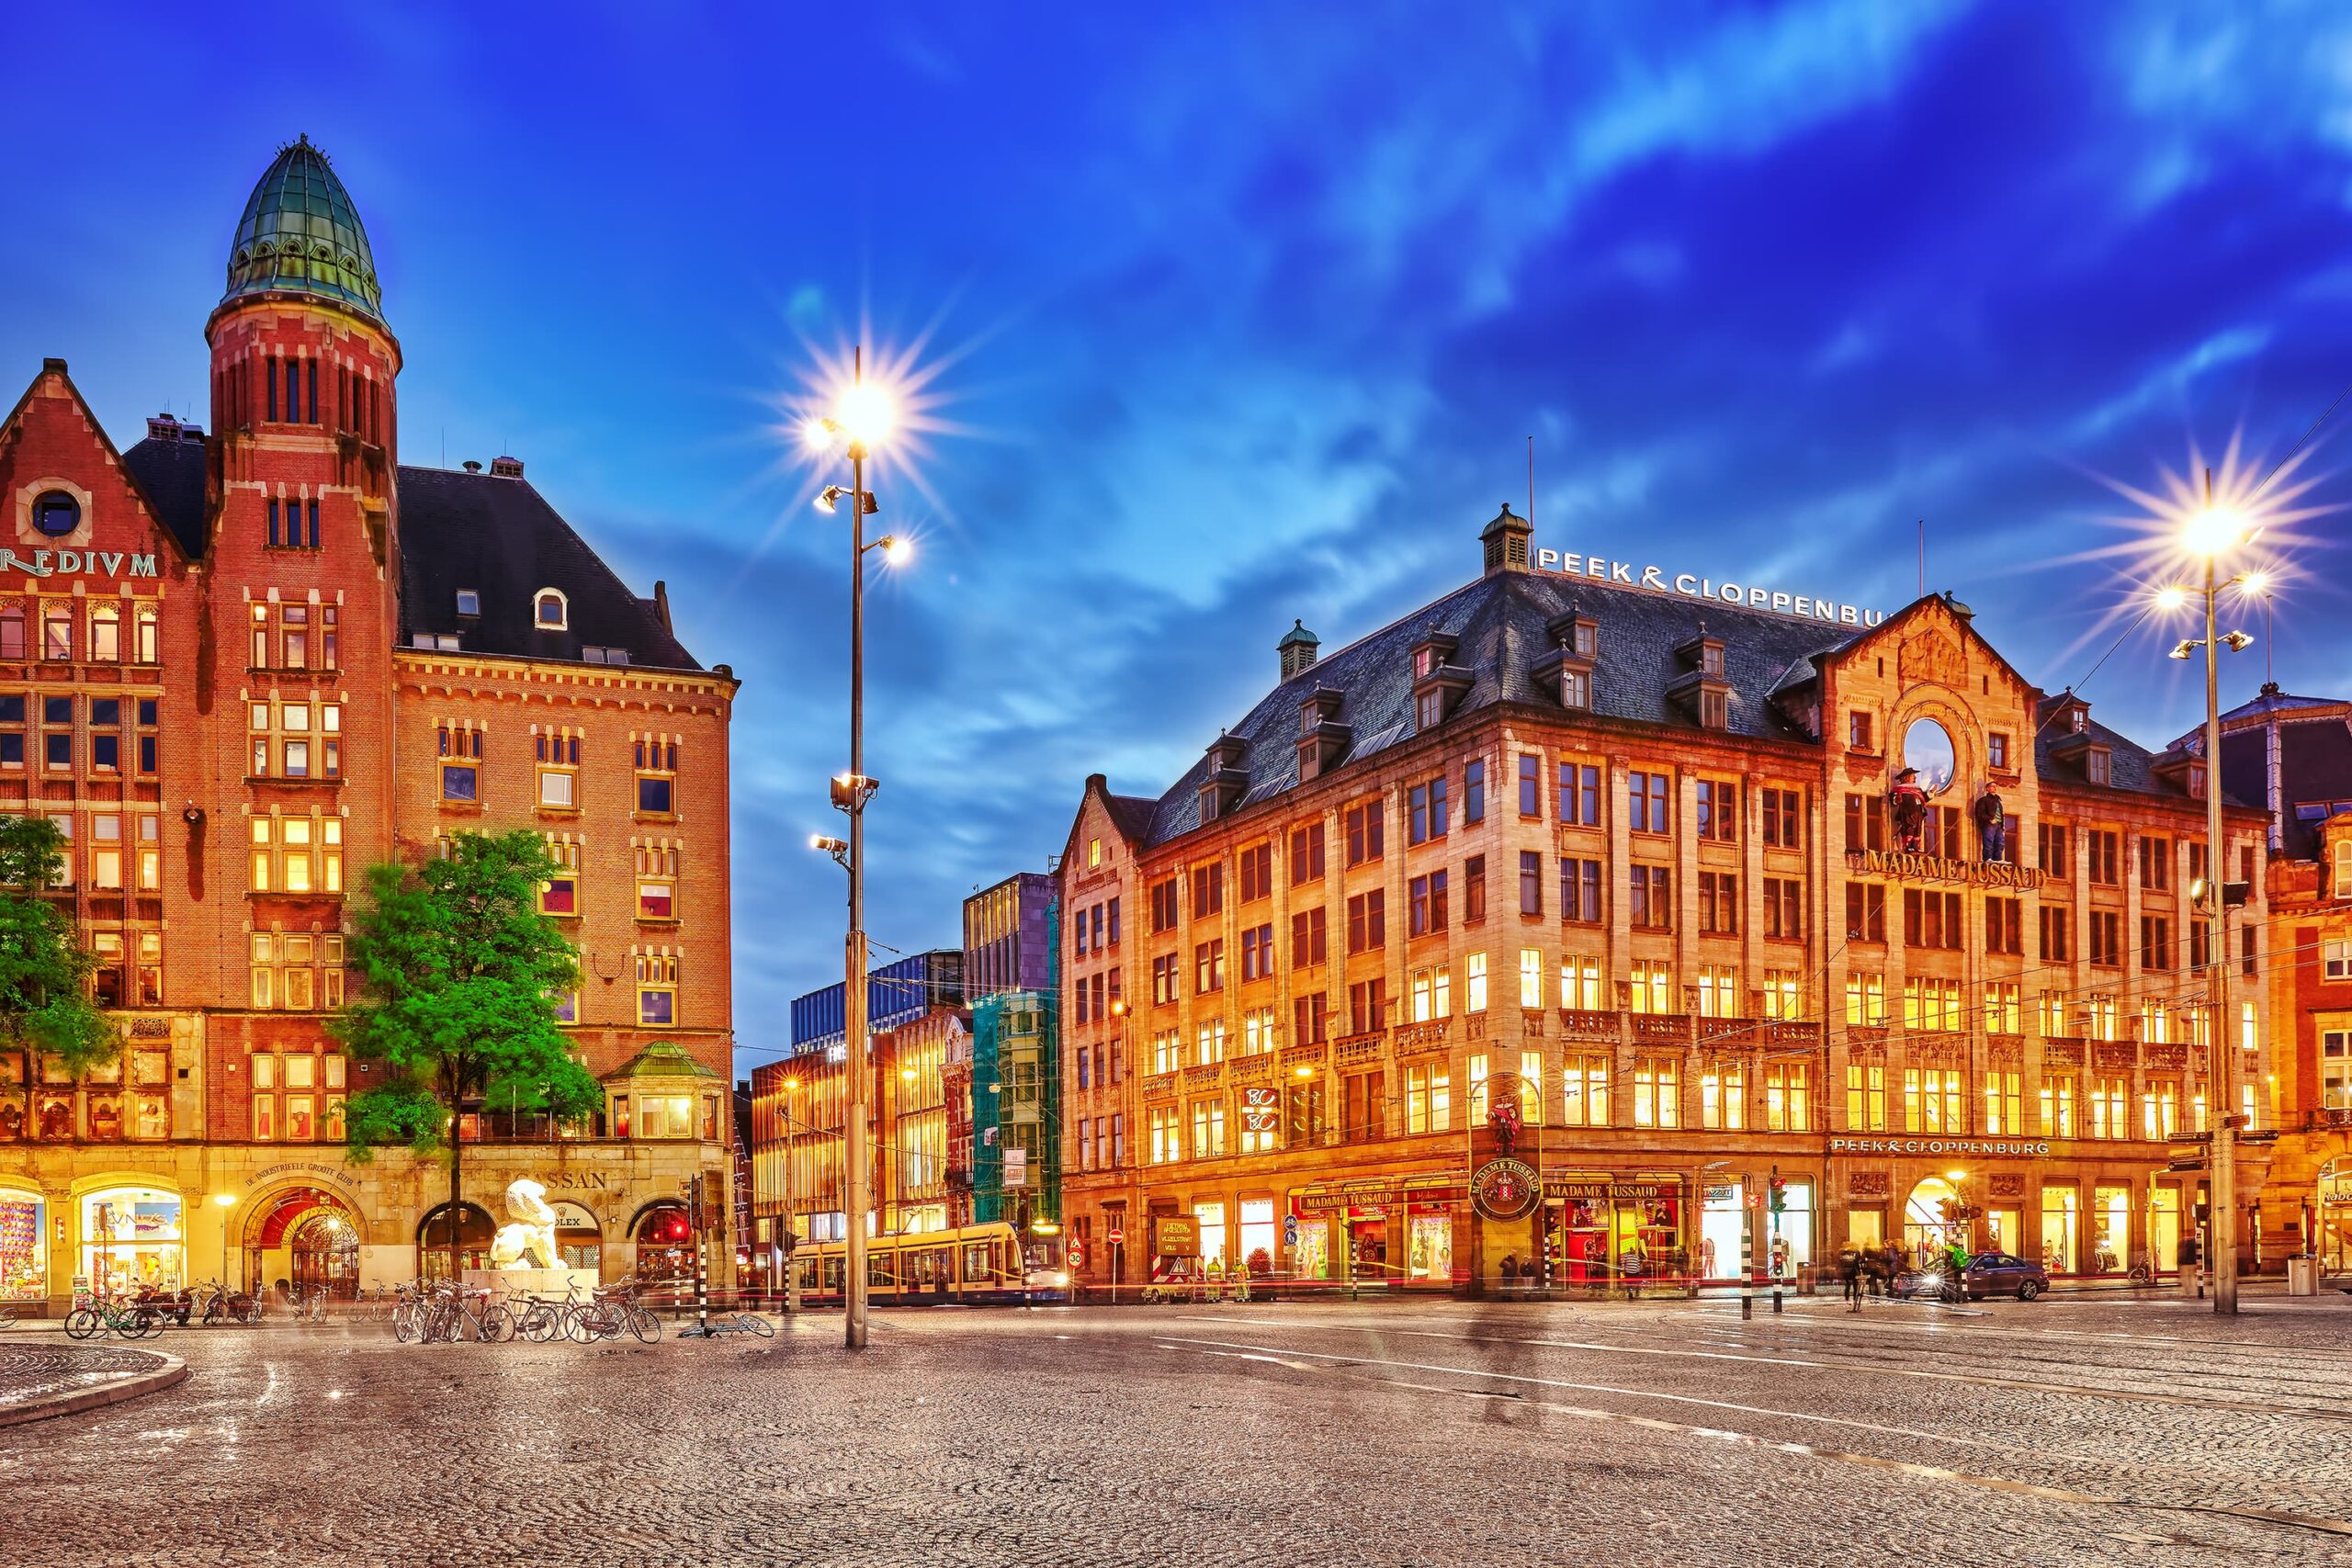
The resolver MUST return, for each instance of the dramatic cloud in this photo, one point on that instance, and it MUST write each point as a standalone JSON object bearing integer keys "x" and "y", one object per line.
{"x": 1245, "y": 314}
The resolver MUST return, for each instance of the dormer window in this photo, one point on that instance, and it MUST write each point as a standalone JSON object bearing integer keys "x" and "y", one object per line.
{"x": 469, "y": 602}
{"x": 1586, "y": 639}
{"x": 1438, "y": 683}
{"x": 1575, "y": 688}
{"x": 1568, "y": 668}
{"x": 1424, "y": 660}
{"x": 2076, "y": 721}
{"x": 2097, "y": 766}
{"x": 1714, "y": 709}
{"x": 550, "y": 610}
{"x": 1704, "y": 690}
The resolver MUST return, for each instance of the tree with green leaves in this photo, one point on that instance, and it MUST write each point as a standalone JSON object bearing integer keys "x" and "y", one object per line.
{"x": 45, "y": 1000}
{"x": 459, "y": 976}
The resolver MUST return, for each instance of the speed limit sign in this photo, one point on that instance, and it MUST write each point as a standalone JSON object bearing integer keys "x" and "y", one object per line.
{"x": 1078, "y": 1255}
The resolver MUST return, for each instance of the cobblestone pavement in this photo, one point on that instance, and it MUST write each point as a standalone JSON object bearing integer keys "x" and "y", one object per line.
{"x": 33, "y": 1369}
{"x": 2096, "y": 1432}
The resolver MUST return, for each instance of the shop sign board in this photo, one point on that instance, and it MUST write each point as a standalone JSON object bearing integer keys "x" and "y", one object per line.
{"x": 1505, "y": 1189}
{"x": 1586, "y": 1189}
{"x": 1910, "y": 865}
{"x": 2029, "y": 1148}
{"x": 1261, "y": 1110}
{"x": 1016, "y": 1167}
{"x": 1178, "y": 1238}
{"x": 1378, "y": 1191}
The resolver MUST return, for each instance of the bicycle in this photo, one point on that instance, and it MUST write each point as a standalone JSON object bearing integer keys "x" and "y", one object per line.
{"x": 453, "y": 1312}
{"x": 105, "y": 1316}
{"x": 7, "y": 1317}
{"x": 2144, "y": 1271}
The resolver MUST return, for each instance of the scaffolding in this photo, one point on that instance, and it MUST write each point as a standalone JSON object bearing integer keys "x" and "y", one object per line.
{"x": 1016, "y": 1095}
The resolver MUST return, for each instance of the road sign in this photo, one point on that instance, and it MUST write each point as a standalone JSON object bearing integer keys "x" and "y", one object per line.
{"x": 1290, "y": 1230}
{"x": 1118, "y": 1236}
{"x": 1078, "y": 1255}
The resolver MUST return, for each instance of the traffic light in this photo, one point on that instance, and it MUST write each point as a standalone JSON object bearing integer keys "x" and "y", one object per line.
{"x": 1950, "y": 1210}
{"x": 1780, "y": 1190}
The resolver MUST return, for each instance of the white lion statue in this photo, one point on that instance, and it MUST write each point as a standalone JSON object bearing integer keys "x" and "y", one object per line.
{"x": 528, "y": 1242}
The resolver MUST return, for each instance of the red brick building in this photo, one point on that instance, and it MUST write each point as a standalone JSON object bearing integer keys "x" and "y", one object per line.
{"x": 240, "y": 668}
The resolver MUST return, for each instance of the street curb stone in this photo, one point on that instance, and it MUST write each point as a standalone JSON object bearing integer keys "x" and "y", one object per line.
{"x": 114, "y": 1391}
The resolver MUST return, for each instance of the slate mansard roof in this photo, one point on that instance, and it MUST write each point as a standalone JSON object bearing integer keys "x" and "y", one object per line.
{"x": 497, "y": 537}
{"x": 491, "y": 534}
{"x": 1499, "y": 622}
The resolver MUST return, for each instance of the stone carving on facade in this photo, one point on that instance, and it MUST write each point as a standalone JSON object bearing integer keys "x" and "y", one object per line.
{"x": 529, "y": 1240}
{"x": 1930, "y": 656}
{"x": 1869, "y": 1184}
{"x": 2009, "y": 1184}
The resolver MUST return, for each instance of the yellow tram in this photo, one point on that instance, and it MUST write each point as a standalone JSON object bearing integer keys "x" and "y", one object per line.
{"x": 974, "y": 1264}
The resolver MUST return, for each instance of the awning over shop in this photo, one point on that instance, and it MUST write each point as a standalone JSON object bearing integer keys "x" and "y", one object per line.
{"x": 1382, "y": 1192}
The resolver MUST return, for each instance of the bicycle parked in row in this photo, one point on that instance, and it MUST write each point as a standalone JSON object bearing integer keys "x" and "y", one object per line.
{"x": 104, "y": 1317}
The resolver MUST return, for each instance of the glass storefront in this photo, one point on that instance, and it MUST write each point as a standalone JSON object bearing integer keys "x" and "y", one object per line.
{"x": 1311, "y": 1258}
{"x": 24, "y": 1247}
{"x": 1926, "y": 1231}
{"x": 1723, "y": 1230}
{"x": 1790, "y": 1232}
{"x": 1209, "y": 1221}
{"x": 2164, "y": 1228}
{"x": 1600, "y": 1234}
{"x": 2058, "y": 1203}
{"x": 2331, "y": 1216}
{"x": 2110, "y": 1228}
{"x": 131, "y": 1239}
{"x": 1428, "y": 1253}
{"x": 665, "y": 1245}
{"x": 1260, "y": 1237}
{"x": 579, "y": 1243}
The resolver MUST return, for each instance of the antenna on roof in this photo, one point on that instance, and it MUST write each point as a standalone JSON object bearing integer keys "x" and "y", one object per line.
{"x": 1531, "y": 484}
{"x": 1923, "y": 558}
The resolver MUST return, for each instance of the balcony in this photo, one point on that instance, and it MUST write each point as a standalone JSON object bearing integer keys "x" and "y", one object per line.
{"x": 1662, "y": 1028}
{"x": 2329, "y": 1119}
{"x": 1355, "y": 1052}
{"x": 1207, "y": 1075}
{"x": 1160, "y": 1086}
{"x": 1791, "y": 1031}
{"x": 1252, "y": 1069}
{"x": 1577, "y": 1023}
{"x": 1302, "y": 1056}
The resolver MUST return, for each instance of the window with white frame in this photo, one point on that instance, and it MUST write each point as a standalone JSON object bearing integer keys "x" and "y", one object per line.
{"x": 657, "y": 989}
{"x": 558, "y": 754}
{"x": 550, "y": 610}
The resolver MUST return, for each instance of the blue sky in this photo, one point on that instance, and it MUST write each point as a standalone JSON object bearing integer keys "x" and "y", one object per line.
{"x": 1233, "y": 314}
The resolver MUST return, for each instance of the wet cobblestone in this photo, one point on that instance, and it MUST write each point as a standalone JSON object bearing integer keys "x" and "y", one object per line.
{"x": 35, "y": 1369}
{"x": 1430, "y": 1433}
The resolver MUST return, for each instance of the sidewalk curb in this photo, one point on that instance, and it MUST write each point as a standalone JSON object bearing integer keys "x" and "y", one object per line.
{"x": 129, "y": 1386}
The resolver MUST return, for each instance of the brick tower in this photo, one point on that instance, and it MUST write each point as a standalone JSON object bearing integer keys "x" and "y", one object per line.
{"x": 297, "y": 607}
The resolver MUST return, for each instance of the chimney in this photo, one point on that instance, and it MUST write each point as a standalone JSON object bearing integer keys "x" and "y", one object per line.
{"x": 1297, "y": 649}
{"x": 472, "y": 466}
{"x": 506, "y": 468}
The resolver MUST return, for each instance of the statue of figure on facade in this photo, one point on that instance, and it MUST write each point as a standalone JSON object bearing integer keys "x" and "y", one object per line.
{"x": 1909, "y": 803}
{"x": 529, "y": 1240}
{"x": 1504, "y": 1119}
{"x": 1991, "y": 824}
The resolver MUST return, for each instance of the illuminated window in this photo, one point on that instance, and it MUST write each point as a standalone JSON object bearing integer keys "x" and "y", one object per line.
{"x": 1580, "y": 984}
{"x": 1788, "y": 1097}
{"x": 12, "y": 632}
{"x": 293, "y": 740}
{"x": 1723, "y": 1096}
{"x": 296, "y": 855}
{"x": 1657, "y": 1092}
{"x": 1931, "y": 1101}
{"x": 1783, "y": 994}
{"x": 56, "y": 629}
{"x": 1584, "y": 1090}
{"x": 145, "y": 648}
{"x": 106, "y": 631}
{"x": 1865, "y": 1097}
{"x": 1531, "y": 977}
{"x": 106, "y": 851}
{"x": 1653, "y": 987}
{"x": 297, "y": 972}
{"x": 1865, "y": 998}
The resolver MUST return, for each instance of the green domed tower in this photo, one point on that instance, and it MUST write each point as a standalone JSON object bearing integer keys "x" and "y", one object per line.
{"x": 300, "y": 235}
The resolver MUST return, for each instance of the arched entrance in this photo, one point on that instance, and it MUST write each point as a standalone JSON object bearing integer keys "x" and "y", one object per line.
{"x": 578, "y": 1238}
{"x": 300, "y": 1238}
{"x": 664, "y": 1234}
{"x": 1925, "y": 1228}
{"x": 474, "y": 1233}
{"x": 2331, "y": 1216}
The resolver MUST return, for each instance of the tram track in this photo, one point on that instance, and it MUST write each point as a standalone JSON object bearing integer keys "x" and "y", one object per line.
{"x": 1859, "y": 1363}
{"x": 1532, "y": 1389}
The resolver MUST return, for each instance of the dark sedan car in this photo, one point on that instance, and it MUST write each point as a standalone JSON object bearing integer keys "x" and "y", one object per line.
{"x": 1986, "y": 1274}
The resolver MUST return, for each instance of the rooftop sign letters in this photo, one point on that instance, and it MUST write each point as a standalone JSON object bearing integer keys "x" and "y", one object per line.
{"x": 1803, "y": 606}
{"x": 1916, "y": 867}
{"x": 55, "y": 563}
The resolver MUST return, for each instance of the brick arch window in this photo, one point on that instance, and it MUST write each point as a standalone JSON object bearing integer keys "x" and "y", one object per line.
{"x": 550, "y": 610}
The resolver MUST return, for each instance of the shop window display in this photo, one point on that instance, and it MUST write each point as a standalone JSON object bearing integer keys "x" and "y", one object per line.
{"x": 131, "y": 1239}
{"x": 1430, "y": 1252}
{"x": 2058, "y": 1209}
{"x": 24, "y": 1247}
{"x": 2110, "y": 1228}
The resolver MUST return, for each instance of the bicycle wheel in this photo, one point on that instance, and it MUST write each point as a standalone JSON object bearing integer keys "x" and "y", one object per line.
{"x": 144, "y": 1323}
{"x": 757, "y": 1324}
{"x": 535, "y": 1324}
{"x": 403, "y": 1322}
{"x": 80, "y": 1323}
{"x": 497, "y": 1323}
{"x": 643, "y": 1324}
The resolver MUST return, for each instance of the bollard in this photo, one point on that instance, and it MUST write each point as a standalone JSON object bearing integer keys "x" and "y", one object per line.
{"x": 1776, "y": 1300}
{"x": 1747, "y": 1305}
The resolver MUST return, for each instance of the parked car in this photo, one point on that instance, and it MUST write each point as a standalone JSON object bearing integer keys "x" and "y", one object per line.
{"x": 1986, "y": 1274}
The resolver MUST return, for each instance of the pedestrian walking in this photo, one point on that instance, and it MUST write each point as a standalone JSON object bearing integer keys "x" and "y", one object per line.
{"x": 1850, "y": 1274}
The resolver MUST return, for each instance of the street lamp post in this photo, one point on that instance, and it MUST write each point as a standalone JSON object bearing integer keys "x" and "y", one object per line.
{"x": 862, "y": 417}
{"x": 224, "y": 1202}
{"x": 2209, "y": 533}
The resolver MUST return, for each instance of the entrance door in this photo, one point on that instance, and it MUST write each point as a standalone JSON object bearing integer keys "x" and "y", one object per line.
{"x": 2164, "y": 1228}
{"x": 1925, "y": 1229}
{"x": 324, "y": 1247}
{"x": 2331, "y": 1217}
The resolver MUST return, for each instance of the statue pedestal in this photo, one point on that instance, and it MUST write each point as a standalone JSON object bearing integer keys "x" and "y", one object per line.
{"x": 513, "y": 1284}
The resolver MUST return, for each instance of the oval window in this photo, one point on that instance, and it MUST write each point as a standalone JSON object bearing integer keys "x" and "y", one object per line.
{"x": 56, "y": 514}
{"x": 1927, "y": 746}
